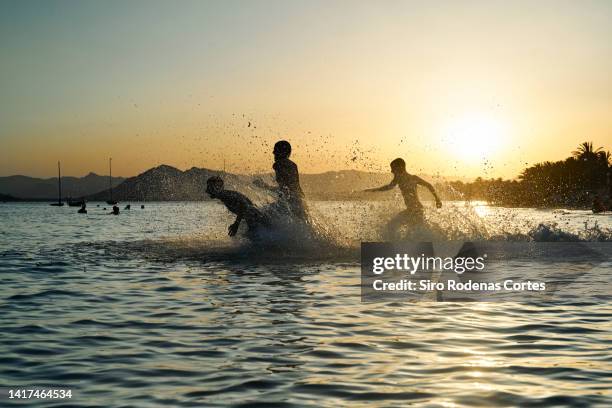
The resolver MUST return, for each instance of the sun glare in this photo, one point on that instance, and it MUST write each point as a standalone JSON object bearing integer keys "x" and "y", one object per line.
{"x": 475, "y": 137}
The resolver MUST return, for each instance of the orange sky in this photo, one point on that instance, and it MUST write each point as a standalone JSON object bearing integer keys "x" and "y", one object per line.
{"x": 456, "y": 88}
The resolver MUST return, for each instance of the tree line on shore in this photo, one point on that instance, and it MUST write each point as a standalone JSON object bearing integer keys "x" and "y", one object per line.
{"x": 573, "y": 182}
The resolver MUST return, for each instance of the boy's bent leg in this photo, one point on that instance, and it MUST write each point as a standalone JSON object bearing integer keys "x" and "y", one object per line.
{"x": 394, "y": 225}
{"x": 408, "y": 218}
{"x": 298, "y": 209}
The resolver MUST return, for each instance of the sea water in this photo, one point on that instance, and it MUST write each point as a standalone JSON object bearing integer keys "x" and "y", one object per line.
{"x": 158, "y": 307}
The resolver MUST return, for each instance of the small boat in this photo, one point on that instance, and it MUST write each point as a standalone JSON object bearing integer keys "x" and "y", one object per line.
{"x": 75, "y": 203}
{"x": 59, "y": 187}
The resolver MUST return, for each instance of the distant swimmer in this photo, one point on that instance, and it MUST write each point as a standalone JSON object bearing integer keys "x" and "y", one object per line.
{"x": 238, "y": 204}
{"x": 289, "y": 191}
{"x": 142, "y": 207}
{"x": 83, "y": 209}
{"x": 115, "y": 210}
{"x": 598, "y": 205}
{"x": 407, "y": 183}
{"x": 128, "y": 207}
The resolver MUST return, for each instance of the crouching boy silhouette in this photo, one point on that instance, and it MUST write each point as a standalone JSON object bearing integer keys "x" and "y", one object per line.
{"x": 238, "y": 204}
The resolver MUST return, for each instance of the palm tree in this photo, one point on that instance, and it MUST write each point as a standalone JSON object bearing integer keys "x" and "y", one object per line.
{"x": 605, "y": 157}
{"x": 585, "y": 151}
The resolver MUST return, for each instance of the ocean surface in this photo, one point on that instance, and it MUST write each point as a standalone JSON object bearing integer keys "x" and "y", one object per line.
{"x": 157, "y": 307}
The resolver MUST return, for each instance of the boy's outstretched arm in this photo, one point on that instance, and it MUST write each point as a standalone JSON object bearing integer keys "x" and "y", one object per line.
{"x": 431, "y": 190}
{"x": 233, "y": 229}
{"x": 386, "y": 187}
{"x": 383, "y": 188}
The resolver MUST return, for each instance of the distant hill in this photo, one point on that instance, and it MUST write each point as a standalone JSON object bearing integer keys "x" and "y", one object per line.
{"x": 35, "y": 188}
{"x": 167, "y": 183}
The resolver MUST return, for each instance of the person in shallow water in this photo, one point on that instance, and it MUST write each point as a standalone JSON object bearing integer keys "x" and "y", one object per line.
{"x": 237, "y": 203}
{"x": 83, "y": 209}
{"x": 115, "y": 210}
{"x": 407, "y": 183}
{"x": 598, "y": 205}
{"x": 290, "y": 194}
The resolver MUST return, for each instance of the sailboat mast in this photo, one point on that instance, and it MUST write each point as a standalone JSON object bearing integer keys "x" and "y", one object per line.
{"x": 110, "y": 177}
{"x": 59, "y": 183}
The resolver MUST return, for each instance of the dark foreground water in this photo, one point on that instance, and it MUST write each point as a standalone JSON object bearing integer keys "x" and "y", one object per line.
{"x": 156, "y": 308}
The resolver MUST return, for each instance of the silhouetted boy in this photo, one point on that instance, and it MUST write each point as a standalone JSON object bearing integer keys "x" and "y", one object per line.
{"x": 288, "y": 178}
{"x": 407, "y": 184}
{"x": 237, "y": 203}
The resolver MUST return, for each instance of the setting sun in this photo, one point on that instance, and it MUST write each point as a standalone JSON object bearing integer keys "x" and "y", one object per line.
{"x": 474, "y": 137}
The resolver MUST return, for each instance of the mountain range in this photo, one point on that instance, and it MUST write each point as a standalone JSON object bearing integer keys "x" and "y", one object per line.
{"x": 25, "y": 187}
{"x": 167, "y": 183}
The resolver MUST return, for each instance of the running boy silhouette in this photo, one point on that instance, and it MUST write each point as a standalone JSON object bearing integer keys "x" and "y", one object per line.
{"x": 237, "y": 203}
{"x": 407, "y": 184}
{"x": 288, "y": 178}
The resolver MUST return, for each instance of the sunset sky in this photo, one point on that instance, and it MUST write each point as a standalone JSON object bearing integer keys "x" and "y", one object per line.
{"x": 457, "y": 88}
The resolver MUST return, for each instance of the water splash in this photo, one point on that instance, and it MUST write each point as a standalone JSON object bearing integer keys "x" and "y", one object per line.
{"x": 337, "y": 228}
